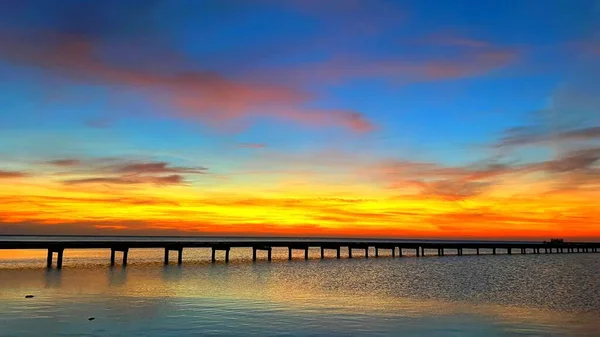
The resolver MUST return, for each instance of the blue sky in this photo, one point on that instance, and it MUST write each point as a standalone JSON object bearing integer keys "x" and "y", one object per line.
{"x": 272, "y": 41}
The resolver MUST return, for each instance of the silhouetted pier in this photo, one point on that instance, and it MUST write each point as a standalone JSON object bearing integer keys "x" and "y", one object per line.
{"x": 57, "y": 246}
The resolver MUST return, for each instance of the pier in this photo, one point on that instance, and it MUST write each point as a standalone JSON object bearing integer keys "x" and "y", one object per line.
{"x": 56, "y": 246}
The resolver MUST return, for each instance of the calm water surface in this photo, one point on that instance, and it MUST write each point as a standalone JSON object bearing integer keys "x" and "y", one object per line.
{"x": 518, "y": 295}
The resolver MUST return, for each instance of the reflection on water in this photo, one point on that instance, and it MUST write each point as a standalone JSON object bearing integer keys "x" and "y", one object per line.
{"x": 556, "y": 295}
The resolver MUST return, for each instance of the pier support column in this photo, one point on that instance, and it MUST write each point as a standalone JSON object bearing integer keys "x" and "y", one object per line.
{"x": 349, "y": 252}
{"x": 493, "y": 251}
{"x": 213, "y": 255}
{"x": 376, "y": 252}
{"x": 458, "y": 252}
{"x": 400, "y": 251}
{"x": 49, "y": 259}
{"x": 322, "y": 253}
{"x": 339, "y": 252}
{"x": 417, "y": 249}
{"x": 125, "y": 252}
{"x": 393, "y": 252}
{"x": 289, "y": 254}
{"x": 268, "y": 249}
{"x": 422, "y": 251}
{"x": 367, "y": 253}
{"x": 477, "y": 251}
{"x": 113, "y": 252}
{"x": 179, "y": 251}
{"x": 306, "y": 253}
{"x": 227, "y": 254}
{"x": 59, "y": 258}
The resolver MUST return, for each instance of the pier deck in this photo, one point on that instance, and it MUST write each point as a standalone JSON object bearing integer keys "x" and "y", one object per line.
{"x": 419, "y": 247}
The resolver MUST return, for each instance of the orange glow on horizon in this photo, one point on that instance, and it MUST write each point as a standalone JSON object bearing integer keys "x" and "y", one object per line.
{"x": 40, "y": 206}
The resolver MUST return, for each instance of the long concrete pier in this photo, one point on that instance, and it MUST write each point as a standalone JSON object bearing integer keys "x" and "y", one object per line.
{"x": 57, "y": 246}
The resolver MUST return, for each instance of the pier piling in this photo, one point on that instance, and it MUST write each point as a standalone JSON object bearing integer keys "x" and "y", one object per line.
{"x": 50, "y": 256}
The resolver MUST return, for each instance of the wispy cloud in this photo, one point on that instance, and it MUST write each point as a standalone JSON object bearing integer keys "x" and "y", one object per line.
{"x": 252, "y": 145}
{"x": 467, "y": 62}
{"x": 124, "y": 172}
{"x": 65, "y": 162}
{"x": 155, "y": 167}
{"x": 173, "y": 179}
{"x": 193, "y": 94}
{"x": 576, "y": 169}
{"x": 536, "y": 135}
{"x": 439, "y": 181}
{"x": 12, "y": 174}
{"x": 445, "y": 39}
{"x": 571, "y": 118}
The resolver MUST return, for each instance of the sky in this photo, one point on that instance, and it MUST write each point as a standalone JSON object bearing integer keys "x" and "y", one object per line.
{"x": 409, "y": 119}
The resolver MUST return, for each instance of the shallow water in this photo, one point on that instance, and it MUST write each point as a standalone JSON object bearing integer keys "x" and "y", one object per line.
{"x": 523, "y": 295}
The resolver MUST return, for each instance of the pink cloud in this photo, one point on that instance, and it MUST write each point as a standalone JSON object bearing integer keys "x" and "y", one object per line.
{"x": 472, "y": 64}
{"x": 467, "y": 63}
{"x": 194, "y": 94}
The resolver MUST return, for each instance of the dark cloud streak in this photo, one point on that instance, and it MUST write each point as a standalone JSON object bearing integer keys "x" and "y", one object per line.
{"x": 173, "y": 179}
{"x": 12, "y": 174}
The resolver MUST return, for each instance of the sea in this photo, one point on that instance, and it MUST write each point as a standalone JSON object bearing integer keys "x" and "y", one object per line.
{"x": 486, "y": 295}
